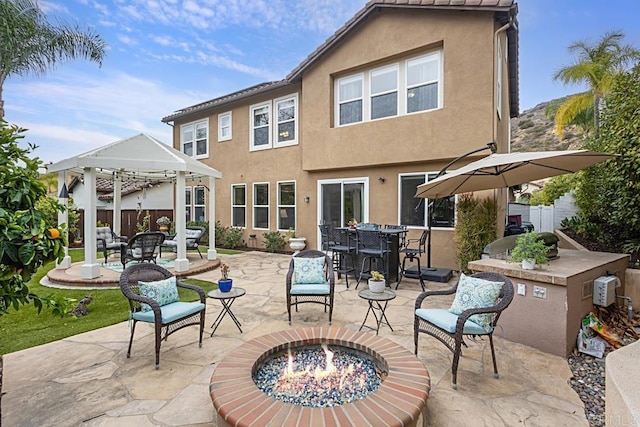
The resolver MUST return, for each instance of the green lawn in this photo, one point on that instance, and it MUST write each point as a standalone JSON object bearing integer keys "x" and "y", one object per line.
{"x": 25, "y": 328}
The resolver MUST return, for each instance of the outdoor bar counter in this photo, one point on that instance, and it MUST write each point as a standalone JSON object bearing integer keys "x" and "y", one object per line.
{"x": 550, "y": 320}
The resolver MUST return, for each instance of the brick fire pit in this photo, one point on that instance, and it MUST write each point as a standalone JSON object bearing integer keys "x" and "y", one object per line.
{"x": 399, "y": 401}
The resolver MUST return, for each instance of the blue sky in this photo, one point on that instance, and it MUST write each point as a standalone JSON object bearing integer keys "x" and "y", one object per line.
{"x": 165, "y": 55}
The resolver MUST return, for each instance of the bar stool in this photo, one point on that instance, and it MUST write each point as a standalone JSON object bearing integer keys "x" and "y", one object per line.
{"x": 373, "y": 247}
{"x": 414, "y": 249}
{"x": 342, "y": 247}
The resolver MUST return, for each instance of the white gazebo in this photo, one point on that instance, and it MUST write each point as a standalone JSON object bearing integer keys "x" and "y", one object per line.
{"x": 140, "y": 158}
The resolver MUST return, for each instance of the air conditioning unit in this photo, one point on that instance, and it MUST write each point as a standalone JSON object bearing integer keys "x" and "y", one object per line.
{"x": 604, "y": 290}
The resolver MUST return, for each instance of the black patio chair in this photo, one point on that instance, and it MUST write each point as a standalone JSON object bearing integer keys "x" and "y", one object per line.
{"x": 108, "y": 242}
{"x": 193, "y": 234}
{"x": 304, "y": 288}
{"x": 373, "y": 249}
{"x": 413, "y": 251}
{"x": 142, "y": 247}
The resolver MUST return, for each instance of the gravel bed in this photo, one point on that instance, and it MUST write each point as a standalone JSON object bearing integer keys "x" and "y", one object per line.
{"x": 588, "y": 381}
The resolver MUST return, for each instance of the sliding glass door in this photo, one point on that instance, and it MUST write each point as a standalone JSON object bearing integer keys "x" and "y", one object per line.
{"x": 341, "y": 200}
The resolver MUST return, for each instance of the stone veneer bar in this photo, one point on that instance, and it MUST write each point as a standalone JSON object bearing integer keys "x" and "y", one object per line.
{"x": 399, "y": 401}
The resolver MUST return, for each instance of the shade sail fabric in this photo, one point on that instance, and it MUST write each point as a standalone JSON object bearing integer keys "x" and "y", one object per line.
{"x": 507, "y": 170}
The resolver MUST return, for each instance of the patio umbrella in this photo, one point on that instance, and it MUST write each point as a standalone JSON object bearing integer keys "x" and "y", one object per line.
{"x": 507, "y": 170}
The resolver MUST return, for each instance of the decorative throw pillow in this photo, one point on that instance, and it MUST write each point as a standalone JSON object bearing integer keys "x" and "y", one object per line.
{"x": 476, "y": 293}
{"x": 163, "y": 291}
{"x": 308, "y": 270}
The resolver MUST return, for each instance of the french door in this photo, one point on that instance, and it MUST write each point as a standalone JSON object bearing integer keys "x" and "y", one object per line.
{"x": 342, "y": 200}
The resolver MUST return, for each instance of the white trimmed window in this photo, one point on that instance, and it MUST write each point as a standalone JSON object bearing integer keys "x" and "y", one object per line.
{"x": 412, "y": 213}
{"x": 198, "y": 203}
{"x": 375, "y": 94}
{"x": 286, "y": 205}
{"x": 224, "y": 126}
{"x": 384, "y": 92}
{"x": 187, "y": 203}
{"x": 261, "y": 206}
{"x": 260, "y": 138}
{"x": 286, "y": 120}
{"x": 239, "y": 205}
{"x": 194, "y": 139}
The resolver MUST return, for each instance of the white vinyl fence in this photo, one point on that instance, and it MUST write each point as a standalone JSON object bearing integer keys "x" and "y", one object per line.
{"x": 546, "y": 218}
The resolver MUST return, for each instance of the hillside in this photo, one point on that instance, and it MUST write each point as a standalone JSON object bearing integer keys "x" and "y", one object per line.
{"x": 532, "y": 131}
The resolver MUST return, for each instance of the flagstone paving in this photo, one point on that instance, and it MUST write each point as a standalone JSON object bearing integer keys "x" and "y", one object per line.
{"x": 87, "y": 380}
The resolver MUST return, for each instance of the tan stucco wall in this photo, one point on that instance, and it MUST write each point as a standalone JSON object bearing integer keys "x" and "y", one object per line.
{"x": 416, "y": 143}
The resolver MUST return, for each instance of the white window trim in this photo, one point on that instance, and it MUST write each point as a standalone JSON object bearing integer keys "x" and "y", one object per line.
{"x": 353, "y": 77}
{"x": 294, "y": 206}
{"x": 194, "y": 142}
{"x": 189, "y": 189}
{"x": 195, "y": 205}
{"x": 425, "y": 203}
{"x": 395, "y": 67}
{"x": 402, "y": 67}
{"x": 254, "y": 206}
{"x": 252, "y": 108}
{"x": 239, "y": 206}
{"x": 274, "y": 114}
{"x": 220, "y": 117}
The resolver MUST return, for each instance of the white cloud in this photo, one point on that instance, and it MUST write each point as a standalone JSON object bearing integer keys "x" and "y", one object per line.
{"x": 129, "y": 41}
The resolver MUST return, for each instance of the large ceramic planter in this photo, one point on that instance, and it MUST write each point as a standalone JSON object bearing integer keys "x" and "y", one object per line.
{"x": 376, "y": 286}
{"x": 297, "y": 243}
{"x": 225, "y": 285}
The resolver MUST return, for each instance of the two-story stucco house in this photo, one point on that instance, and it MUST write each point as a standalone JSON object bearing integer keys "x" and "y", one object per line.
{"x": 395, "y": 94}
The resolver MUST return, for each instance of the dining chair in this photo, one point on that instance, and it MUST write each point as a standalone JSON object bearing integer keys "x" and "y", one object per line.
{"x": 343, "y": 251}
{"x": 412, "y": 252}
{"x": 373, "y": 249}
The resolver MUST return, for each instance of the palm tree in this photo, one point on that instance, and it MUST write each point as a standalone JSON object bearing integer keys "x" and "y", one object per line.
{"x": 598, "y": 66}
{"x": 30, "y": 44}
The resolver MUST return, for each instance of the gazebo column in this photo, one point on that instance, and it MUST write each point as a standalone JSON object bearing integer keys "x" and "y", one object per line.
{"x": 90, "y": 269}
{"x": 212, "y": 253}
{"x": 181, "y": 263}
{"x": 63, "y": 218}
{"x": 117, "y": 204}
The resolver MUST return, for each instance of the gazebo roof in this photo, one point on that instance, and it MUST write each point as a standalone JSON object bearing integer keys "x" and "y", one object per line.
{"x": 140, "y": 158}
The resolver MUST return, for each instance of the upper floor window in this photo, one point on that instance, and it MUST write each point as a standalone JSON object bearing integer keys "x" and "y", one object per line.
{"x": 239, "y": 205}
{"x": 261, "y": 205}
{"x": 414, "y": 214}
{"x": 405, "y": 87}
{"x": 274, "y": 124}
{"x": 286, "y": 205}
{"x": 224, "y": 126}
{"x": 195, "y": 139}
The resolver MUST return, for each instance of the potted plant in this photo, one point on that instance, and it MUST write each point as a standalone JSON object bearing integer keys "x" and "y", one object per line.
{"x": 164, "y": 223}
{"x": 530, "y": 250}
{"x": 224, "y": 284}
{"x": 296, "y": 243}
{"x": 352, "y": 223}
{"x": 377, "y": 282}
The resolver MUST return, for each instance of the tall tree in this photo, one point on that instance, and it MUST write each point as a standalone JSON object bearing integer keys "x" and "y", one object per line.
{"x": 31, "y": 44}
{"x": 597, "y": 66}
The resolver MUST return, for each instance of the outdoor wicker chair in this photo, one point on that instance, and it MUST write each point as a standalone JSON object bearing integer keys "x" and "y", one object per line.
{"x": 310, "y": 279}
{"x": 450, "y": 328}
{"x": 168, "y": 315}
{"x": 142, "y": 247}
{"x": 193, "y": 234}
{"x": 107, "y": 241}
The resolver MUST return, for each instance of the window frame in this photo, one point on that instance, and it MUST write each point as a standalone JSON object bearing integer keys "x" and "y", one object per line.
{"x": 438, "y": 55}
{"x": 196, "y": 189}
{"x": 194, "y": 141}
{"x": 425, "y": 202}
{"x": 252, "y": 128}
{"x": 280, "y": 205}
{"x": 380, "y": 70}
{"x": 276, "y": 122}
{"x": 255, "y": 206}
{"x": 353, "y": 77}
{"x": 222, "y": 116}
{"x": 234, "y": 206}
{"x": 188, "y": 202}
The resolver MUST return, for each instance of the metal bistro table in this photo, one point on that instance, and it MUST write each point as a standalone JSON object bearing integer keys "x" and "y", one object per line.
{"x": 227, "y": 299}
{"x": 375, "y": 301}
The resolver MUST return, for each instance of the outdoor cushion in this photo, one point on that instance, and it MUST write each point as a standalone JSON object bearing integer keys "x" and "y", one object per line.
{"x": 163, "y": 291}
{"x": 170, "y": 312}
{"x": 314, "y": 289}
{"x": 473, "y": 292}
{"x": 308, "y": 271}
{"x": 446, "y": 320}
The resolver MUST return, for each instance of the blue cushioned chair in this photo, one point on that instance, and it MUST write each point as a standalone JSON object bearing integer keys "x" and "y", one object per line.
{"x": 168, "y": 318}
{"x": 450, "y": 328}
{"x": 318, "y": 292}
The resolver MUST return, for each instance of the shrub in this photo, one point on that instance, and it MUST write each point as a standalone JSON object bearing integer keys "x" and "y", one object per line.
{"x": 274, "y": 241}
{"x": 525, "y": 124}
{"x": 476, "y": 227}
{"x": 233, "y": 237}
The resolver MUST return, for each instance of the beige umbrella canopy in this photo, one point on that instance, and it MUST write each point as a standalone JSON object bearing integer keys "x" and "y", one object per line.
{"x": 507, "y": 170}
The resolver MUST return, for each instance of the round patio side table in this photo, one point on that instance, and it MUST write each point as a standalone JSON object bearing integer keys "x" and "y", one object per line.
{"x": 376, "y": 301}
{"x": 227, "y": 299}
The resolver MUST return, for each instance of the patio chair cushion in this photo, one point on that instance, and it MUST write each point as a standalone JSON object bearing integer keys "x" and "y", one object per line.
{"x": 311, "y": 289}
{"x": 446, "y": 320}
{"x": 308, "y": 271}
{"x": 170, "y": 312}
{"x": 163, "y": 291}
{"x": 473, "y": 292}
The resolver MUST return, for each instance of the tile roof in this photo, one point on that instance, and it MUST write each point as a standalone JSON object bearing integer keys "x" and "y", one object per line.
{"x": 508, "y": 8}
{"x": 105, "y": 187}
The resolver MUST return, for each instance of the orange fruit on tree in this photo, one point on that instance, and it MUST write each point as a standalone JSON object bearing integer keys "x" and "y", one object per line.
{"x": 55, "y": 233}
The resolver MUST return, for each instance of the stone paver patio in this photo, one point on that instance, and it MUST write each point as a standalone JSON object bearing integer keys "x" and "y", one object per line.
{"x": 87, "y": 380}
